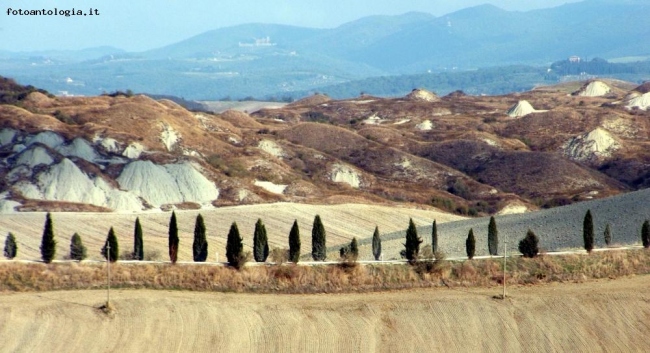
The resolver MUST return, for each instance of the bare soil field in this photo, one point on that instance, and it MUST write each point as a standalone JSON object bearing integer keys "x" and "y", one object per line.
{"x": 342, "y": 222}
{"x": 595, "y": 316}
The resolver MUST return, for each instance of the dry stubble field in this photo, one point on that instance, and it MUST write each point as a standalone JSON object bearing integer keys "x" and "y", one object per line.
{"x": 595, "y": 316}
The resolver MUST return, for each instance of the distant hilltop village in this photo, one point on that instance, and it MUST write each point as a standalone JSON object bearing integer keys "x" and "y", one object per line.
{"x": 259, "y": 42}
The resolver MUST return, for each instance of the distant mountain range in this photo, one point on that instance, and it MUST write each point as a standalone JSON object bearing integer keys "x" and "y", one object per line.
{"x": 260, "y": 59}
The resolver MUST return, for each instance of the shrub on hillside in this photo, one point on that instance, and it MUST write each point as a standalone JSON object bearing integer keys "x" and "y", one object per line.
{"x": 48, "y": 244}
{"x": 376, "y": 244}
{"x": 200, "y": 244}
{"x": 279, "y": 256}
{"x": 470, "y": 244}
{"x": 11, "y": 248}
{"x": 350, "y": 252}
{"x": 173, "y": 238}
{"x": 294, "y": 243}
{"x": 529, "y": 245}
{"x": 645, "y": 234}
{"x": 588, "y": 231}
{"x": 412, "y": 244}
{"x": 138, "y": 245}
{"x": 235, "y": 248}
{"x": 113, "y": 253}
{"x": 77, "y": 248}
{"x": 318, "y": 240}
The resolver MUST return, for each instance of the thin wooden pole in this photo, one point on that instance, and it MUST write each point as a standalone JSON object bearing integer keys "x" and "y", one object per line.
{"x": 505, "y": 252}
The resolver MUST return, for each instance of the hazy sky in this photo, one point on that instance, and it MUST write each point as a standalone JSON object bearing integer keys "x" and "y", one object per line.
{"x": 137, "y": 25}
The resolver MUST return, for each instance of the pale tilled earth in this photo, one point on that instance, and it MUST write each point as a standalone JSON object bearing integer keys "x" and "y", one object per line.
{"x": 598, "y": 316}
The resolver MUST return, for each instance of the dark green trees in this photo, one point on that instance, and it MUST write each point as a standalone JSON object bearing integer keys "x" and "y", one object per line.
{"x": 173, "y": 239}
{"x": 138, "y": 245}
{"x": 318, "y": 249}
{"x": 645, "y": 234}
{"x": 529, "y": 245}
{"x": 434, "y": 237}
{"x": 588, "y": 231}
{"x": 77, "y": 248}
{"x": 260, "y": 242}
{"x": 350, "y": 252}
{"x": 376, "y": 244}
{"x": 200, "y": 244}
{"x": 412, "y": 245}
{"x": 11, "y": 248}
{"x": 114, "y": 252}
{"x": 235, "y": 247}
{"x": 294, "y": 243}
{"x": 48, "y": 244}
{"x": 493, "y": 237}
{"x": 607, "y": 235}
{"x": 470, "y": 244}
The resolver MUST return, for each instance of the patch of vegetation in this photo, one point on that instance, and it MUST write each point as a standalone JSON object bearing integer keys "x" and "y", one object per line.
{"x": 12, "y": 93}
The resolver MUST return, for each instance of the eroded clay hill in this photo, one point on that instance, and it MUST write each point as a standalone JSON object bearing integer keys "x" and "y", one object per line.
{"x": 464, "y": 154}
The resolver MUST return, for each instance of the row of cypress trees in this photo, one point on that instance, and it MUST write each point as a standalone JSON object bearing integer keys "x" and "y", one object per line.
{"x": 234, "y": 247}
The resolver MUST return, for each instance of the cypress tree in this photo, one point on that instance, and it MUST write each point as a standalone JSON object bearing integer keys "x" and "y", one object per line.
{"x": 354, "y": 249}
{"x": 608, "y": 235}
{"x": 434, "y": 237}
{"x": 493, "y": 237}
{"x": 645, "y": 234}
{"x": 260, "y": 242}
{"x": 412, "y": 245}
{"x": 470, "y": 244}
{"x": 529, "y": 245}
{"x": 173, "y": 238}
{"x": 588, "y": 231}
{"x": 318, "y": 235}
{"x": 376, "y": 244}
{"x": 11, "y": 248}
{"x": 234, "y": 247}
{"x": 48, "y": 244}
{"x": 115, "y": 249}
{"x": 77, "y": 248}
{"x": 200, "y": 245}
{"x": 138, "y": 248}
{"x": 294, "y": 243}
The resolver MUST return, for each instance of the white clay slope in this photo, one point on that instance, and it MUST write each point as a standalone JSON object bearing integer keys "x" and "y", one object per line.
{"x": 595, "y": 89}
{"x": 34, "y": 156}
{"x": 271, "y": 147}
{"x": 79, "y": 148}
{"x": 642, "y": 102}
{"x": 7, "y": 136}
{"x": 344, "y": 174}
{"x": 522, "y": 108}
{"x": 598, "y": 143}
{"x": 170, "y": 184}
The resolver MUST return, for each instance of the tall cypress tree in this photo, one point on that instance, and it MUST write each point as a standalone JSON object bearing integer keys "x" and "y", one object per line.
{"x": 354, "y": 249}
{"x": 173, "y": 238}
{"x": 376, "y": 244}
{"x": 318, "y": 249}
{"x": 434, "y": 237}
{"x": 470, "y": 244}
{"x": 260, "y": 242}
{"x": 48, "y": 244}
{"x": 412, "y": 245}
{"x": 114, "y": 252}
{"x": 645, "y": 234}
{"x": 138, "y": 248}
{"x": 588, "y": 231}
{"x": 608, "y": 235}
{"x": 200, "y": 245}
{"x": 234, "y": 247}
{"x": 11, "y": 248}
{"x": 77, "y": 248}
{"x": 493, "y": 237}
{"x": 294, "y": 243}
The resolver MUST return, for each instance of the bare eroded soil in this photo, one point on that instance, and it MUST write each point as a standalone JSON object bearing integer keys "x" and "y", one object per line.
{"x": 596, "y": 316}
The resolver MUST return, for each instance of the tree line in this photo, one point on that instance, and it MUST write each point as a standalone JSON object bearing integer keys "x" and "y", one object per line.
{"x": 236, "y": 257}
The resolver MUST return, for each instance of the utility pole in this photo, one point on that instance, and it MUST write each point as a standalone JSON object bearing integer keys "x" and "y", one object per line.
{"x": 108, "y": 269}
{"x": 505, "y": 251}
